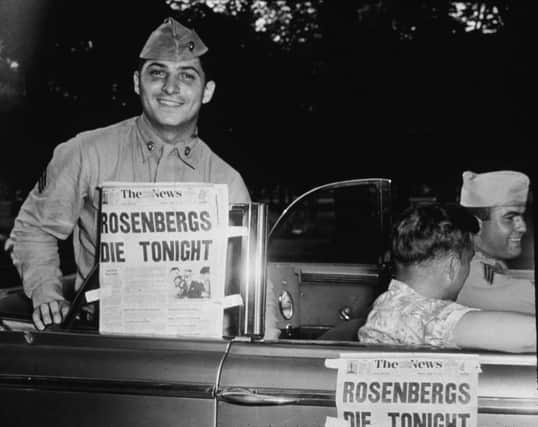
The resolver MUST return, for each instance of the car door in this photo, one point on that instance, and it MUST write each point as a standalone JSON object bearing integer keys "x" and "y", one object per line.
{"x": 317, "y": 268}
{"x": 286, "y": 383}
{"x": 326, "y": 254}
{"x": 83, "y": 379}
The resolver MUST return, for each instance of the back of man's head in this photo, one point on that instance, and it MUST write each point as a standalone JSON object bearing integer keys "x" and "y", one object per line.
{"x": 426, "y": 233}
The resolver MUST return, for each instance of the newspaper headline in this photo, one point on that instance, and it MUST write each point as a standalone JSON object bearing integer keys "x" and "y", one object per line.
{"x": 399, "y": 390}
{"x": 162, "y": 258}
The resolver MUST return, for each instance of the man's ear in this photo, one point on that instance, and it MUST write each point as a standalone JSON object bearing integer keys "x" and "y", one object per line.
{"x": 480, "y": 222}
{"x": 209, "y": 90}
{"x": 136, "y": 82}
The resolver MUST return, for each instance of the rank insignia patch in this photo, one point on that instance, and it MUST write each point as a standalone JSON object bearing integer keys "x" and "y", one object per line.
{"x": 489, "y": 273}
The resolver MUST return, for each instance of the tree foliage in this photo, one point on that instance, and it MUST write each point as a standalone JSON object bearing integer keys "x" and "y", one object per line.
{"x": 293, "y": 77}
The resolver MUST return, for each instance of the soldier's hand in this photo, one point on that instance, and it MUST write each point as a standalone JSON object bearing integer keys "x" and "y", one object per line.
{"x": 49, "y": 313}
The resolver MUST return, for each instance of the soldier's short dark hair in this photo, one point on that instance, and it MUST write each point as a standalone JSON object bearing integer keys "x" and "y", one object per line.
{"x": 428, "y": 232}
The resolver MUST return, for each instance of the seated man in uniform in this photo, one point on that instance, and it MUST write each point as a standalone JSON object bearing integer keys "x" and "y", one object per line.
{"x": 160, "y": 145}
{"x": 497, "y": 199}
{"x": 432, "y": 249}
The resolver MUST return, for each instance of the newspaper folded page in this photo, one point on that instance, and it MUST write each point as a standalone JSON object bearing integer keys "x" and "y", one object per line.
{"x": 162, "y": 258}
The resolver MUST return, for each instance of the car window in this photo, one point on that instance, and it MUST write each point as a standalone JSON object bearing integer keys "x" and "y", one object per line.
{"x": 341, "y": 224}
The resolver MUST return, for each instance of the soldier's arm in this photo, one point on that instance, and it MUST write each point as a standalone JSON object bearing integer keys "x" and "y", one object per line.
{"x": 504, "y": 294}
{"x": 518, "y": 296}
{"x": 497, "y": 330}
{"x": 513, "y": 295}
{"x": 238, "y": 192}
{"x": 49, "y": 213}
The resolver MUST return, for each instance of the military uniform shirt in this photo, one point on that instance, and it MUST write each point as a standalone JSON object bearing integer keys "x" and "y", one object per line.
{"x": 402, "y": 316}
{"x": 490, "y": 287}
{"x": 66, "y": 198}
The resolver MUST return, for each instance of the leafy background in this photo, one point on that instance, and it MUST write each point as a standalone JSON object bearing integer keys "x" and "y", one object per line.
{"x": 307, "y": 91}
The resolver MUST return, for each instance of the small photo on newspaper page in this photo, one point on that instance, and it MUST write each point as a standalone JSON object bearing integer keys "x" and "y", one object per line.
{"x": 162, "y": 256}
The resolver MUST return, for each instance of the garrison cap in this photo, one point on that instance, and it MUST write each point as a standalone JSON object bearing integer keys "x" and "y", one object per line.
{"x": 499, "y": 188}
{"x": 172, "y": 41}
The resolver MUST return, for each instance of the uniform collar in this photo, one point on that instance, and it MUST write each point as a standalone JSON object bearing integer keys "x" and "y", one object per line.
{"x": 482, "y": 257}
{"x": 400, "y": 286}
{"x": 499, "y": 265}
{"x": 152, "y": 145}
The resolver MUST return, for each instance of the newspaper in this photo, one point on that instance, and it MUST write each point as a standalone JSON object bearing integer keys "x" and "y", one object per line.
{"x": 162, "y": 256}
{"x": 405, "y": 389}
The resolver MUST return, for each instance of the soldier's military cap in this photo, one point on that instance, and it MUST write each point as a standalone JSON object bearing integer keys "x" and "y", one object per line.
{"x": 499, "y": 188}
{"x": 172, "y": 41}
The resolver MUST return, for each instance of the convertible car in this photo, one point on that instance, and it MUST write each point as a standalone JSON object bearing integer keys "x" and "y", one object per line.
{"x": 326, "y": 258}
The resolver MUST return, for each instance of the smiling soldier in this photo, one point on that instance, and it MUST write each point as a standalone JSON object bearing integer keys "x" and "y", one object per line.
{"x": 161, "y": 145}
{"x": 498, "y": 200}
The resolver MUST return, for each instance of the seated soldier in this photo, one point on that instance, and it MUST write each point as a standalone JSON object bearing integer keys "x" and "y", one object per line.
{"x": 432, "y": 249}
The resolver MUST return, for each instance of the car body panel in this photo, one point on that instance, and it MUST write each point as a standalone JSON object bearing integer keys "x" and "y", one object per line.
{"x": 68, "y": 408}
{"x": 67, "y": 378}
{"x": 288, "y": 383}
{"x": 95, "y": 379}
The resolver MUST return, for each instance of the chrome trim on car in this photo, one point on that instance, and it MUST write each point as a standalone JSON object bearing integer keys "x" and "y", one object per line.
{"x": 253, "y": 294}
{"x": 147, "y": 388}
{"x": 272, "y": 397}
{"x": 248, "y": 397}
{"x": 353, "y": 274}
{"x": 339, "y": 279}
{"x": 508, "y": 359}
{"x": 326, "y": 398}
{"x": 325, "y": 186}
{"x": 286, "y": 305}
{"x": 508, "y": 405}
